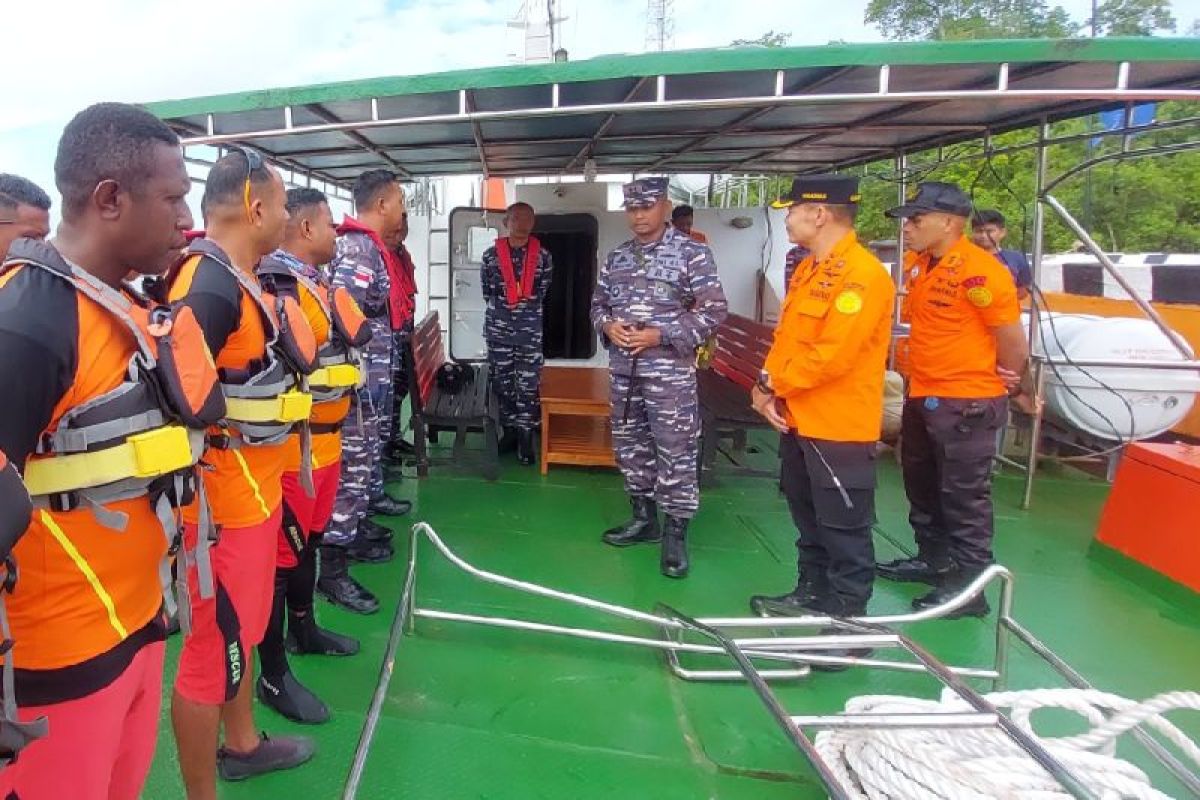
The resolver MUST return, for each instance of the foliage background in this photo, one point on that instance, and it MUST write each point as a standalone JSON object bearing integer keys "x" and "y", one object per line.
{"x": 1137, "y": 205}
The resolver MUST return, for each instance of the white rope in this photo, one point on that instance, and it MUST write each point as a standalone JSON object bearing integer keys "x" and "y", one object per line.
{"x": 985, "y": 763}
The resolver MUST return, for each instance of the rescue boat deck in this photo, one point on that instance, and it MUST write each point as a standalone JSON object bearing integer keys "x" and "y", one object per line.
{"x": 490, "y": 713}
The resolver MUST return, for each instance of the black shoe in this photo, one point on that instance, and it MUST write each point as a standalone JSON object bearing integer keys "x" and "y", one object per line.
{"x": 271, "y": 755}
{"x": 851, "y": 652}
{"x": 374, "y": 532}
{"x": 674, "y": 562}
{"x": 402, "y": 447}
{"x": 525, "y": 453}
{"x": 305, "y": 636}
{"x": 642, "y": 528}
{"x": 952, "y": 587}
{"x": 508, "y": 442}
{"x": 292, "y": 699}
{"x": 837, "y": 606}
{"x": 915, "y": 570}
{"x": 807, "y": 599}
{"x": 392, "y": 457}
{"x": 389, "y": 507}
{"x": 364, "y": 551}
{"x": 335, "y": 584}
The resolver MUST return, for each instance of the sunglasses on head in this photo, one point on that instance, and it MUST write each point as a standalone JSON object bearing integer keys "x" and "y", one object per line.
{"x": 254, "y": 162}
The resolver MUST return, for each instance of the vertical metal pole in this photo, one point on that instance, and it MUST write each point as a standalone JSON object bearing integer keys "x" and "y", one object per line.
{"x": 1035, "y": 327}
{"x": 898, "y": 264}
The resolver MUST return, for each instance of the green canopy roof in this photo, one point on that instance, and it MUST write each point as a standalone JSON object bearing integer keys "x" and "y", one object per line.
{"x": 730, "y": 110}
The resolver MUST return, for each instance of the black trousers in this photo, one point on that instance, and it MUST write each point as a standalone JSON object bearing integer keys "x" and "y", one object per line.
{"x": 835, "y": 547}
{"x": 399, "y": 382}
{"x": 946, "y": 451}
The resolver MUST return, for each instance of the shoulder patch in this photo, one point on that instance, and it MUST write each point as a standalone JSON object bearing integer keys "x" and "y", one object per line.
{"x": 980, "y": 296}
{"x": 848, "y": 302}
{"x": 974, "y": 280}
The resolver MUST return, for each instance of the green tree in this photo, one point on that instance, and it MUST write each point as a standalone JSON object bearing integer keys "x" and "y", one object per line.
{"x": 968, "y": 19}
{"x": 1139, "y": 205}
{"x": 1132, "y": 17}
{"x": 768, "y": 39}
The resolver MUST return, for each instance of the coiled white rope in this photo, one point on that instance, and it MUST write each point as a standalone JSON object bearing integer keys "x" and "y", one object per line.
{"x": 984, "y": 763}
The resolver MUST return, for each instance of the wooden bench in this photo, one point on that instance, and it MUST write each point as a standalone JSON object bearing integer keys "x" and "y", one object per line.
{"x": 470, "y": 410}
{"x": 724, "y": 389}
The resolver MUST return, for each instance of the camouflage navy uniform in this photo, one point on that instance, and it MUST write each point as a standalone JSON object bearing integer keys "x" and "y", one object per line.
{"x": 360, "y": 268}
{"x": 514, "y": 338}
{"x": 671, "y": 285}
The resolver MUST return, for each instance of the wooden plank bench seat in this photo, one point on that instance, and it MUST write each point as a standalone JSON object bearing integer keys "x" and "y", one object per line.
{"x": 470, "y": 410}
{"x": 724, "y": 391}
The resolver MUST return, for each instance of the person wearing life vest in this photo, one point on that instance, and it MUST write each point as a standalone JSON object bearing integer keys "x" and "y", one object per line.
{"x": 961, "y": 302}
{"x": 515, "y": 276}
{"x": 340, "y": 329}
{"x": 262, "y": 347}
{"x": 24, "y": 211}
{"x": 399, "y": 448}
{"x": 366, "y": 267}
{"x": 16, "y": 512}
{"x": 105, "y": 407}
{"x": 822, "y": 387}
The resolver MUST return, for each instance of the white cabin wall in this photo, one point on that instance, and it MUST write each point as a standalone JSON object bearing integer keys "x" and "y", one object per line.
{"x": 739, "y": 252}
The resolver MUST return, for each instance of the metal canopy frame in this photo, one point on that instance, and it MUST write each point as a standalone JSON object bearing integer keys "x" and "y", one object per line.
{"x": 720, "y": 635}
{"x": 777, "y": 110}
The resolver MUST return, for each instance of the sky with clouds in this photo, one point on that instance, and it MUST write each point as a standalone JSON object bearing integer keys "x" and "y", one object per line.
{"x": 66, "y": 54}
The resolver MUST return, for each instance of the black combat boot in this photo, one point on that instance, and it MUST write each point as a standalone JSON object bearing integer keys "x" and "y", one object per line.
{"x": 508, "y": 441}
{"x": 525, "y": 454}
{"x": 951, "y": 586}
{"x": 366, "y": 550}
{"x": 642, "y": 528}
{"x": 374, "y": 532}
{"x": 389, "y": 506}
{"x": 806, "y": 600}
{"x": 674, "y": 562}
{"x": 919, "y": 569}
{"x": 307, "y": 637}
{"x": 336, "y": 585}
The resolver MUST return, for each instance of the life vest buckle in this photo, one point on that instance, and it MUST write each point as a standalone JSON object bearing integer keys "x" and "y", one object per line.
{"x": 161, "y": 451}
{"x": 294, "y": 406}
{"x": 338, "y": 376}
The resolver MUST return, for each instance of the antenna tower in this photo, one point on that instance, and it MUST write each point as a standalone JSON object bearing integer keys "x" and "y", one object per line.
{"x": 660, "y": 25}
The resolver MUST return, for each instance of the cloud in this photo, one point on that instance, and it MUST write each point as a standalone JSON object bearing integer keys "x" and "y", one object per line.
{"x": 67, "y": 54}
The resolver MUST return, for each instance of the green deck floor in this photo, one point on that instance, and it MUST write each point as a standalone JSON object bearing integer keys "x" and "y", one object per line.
{"x": 485, "y": 713}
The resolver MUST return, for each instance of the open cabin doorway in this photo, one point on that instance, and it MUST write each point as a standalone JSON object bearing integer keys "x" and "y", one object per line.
{"x": 572, "y": 240}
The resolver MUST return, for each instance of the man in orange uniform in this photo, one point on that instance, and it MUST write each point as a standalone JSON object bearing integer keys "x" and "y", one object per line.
{"x": 245, "y": 215}
{"x": 294, "y": 270}
{"x": 822, "y": 387}
{"x": 85, "y": 613}
{"x": 962, "y": 305}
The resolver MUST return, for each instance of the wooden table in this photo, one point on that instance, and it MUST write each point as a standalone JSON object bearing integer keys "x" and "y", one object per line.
{"x": 575, "y": 417}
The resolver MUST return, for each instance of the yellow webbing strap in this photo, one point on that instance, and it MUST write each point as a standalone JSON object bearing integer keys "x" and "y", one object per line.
{"x": 86, "y": 568}
{"x": 143, "y": 455}
{"x": 292, "y": 406}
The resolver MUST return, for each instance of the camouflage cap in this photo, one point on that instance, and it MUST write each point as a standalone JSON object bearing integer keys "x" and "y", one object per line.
{"x": 644, "y": 192}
